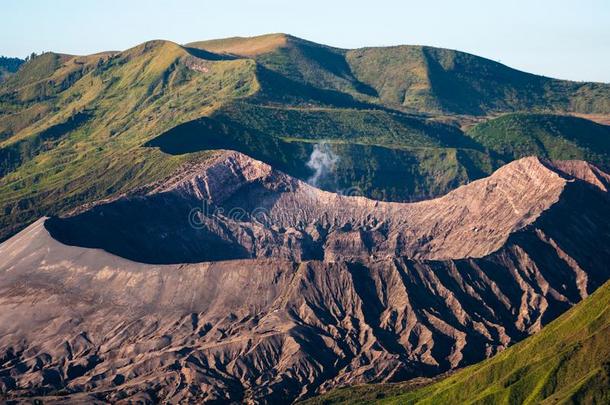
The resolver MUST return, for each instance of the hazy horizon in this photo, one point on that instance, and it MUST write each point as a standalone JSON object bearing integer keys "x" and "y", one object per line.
{"x": 555, "y": 39}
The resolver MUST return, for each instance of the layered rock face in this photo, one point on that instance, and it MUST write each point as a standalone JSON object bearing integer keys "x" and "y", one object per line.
{"x": 136, "y": 298}
{"x": 236, "y": 207}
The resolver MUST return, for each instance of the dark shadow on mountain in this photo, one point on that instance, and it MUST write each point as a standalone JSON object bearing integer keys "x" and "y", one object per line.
{"x": 277, "y": 88}
{"x": 203, "y": 54}
{"x": 213, "y": 134}
{"x": 153, "y": 229}
{"x": 332, "y": 60}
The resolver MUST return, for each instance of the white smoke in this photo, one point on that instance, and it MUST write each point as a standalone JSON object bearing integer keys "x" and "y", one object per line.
{"x": 322, "y": 161}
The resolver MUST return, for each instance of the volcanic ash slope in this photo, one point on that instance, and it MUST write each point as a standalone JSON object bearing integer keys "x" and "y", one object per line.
{"x": 234, "y": 282}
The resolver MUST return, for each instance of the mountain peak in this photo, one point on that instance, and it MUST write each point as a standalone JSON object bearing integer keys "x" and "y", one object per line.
{"x": 244, "y": 46}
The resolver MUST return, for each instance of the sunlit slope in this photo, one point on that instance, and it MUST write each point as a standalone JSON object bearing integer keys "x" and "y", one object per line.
{"x": 443, "y": 80}
{"x": 85, "y": 141}
{"x": 415, "y": 78}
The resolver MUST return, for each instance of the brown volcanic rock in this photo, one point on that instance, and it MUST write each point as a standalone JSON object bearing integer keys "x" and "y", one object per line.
{"x": 83, "y": 324}
{"x": 584, "y": 171}
{"x": 241, "y": 208}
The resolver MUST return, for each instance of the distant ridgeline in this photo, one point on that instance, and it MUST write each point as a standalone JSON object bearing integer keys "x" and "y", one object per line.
{"x": 404, "y": 122}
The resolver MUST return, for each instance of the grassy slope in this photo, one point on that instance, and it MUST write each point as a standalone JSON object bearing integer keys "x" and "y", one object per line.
{"x": 298, "y": 60}
{"x": 128, "y": 98}
{"x": 567, "y": 362}
{"x": 443, "y": 80}
{"x": 417, "y": 78}
{"x": 553, "y": 136}
{"x": 243, "y": 46}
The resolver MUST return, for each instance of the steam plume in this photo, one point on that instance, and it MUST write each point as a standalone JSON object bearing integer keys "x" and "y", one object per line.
{"x": 322, "y": 161}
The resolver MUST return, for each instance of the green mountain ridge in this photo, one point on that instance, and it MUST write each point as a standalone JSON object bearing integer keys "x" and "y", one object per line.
{"x": 567, "y": 362}
{"x": 388, "y": 113}
{"x": 416, "y": 78}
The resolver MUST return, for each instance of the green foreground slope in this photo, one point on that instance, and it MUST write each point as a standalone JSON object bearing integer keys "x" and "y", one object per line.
{"x": 568, "y": 361}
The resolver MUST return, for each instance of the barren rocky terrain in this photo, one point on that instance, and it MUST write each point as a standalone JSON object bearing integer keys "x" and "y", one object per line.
{"x": 233, "y": 282}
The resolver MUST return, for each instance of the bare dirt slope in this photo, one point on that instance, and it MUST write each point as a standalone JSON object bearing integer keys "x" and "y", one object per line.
{"x": 135, "y": 298}
{"x": 237, "y": 207}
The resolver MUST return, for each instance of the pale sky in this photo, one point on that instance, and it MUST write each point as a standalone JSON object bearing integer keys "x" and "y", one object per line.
{"x": 561, "y": 38}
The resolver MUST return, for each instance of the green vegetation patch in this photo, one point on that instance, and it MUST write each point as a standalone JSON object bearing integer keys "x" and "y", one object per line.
{"x": 558, "y": 137}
